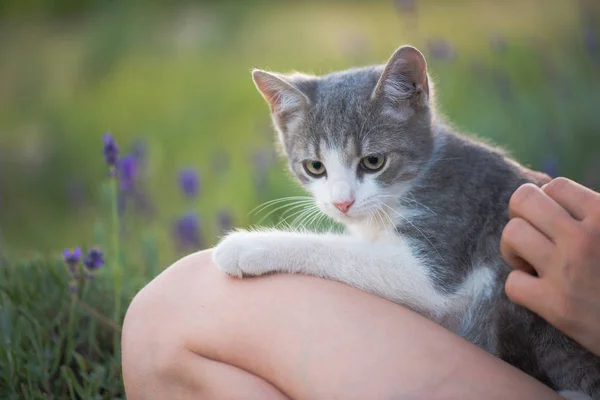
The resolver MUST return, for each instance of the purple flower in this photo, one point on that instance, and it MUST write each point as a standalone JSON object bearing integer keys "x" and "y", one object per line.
{"x": 187, "y": 232}
{"x": 441, "y": 49}
{"x": 139, "y": 149}
{"x": 128, "y": 172}
{"x": 189, "y": 181}
{"x": 94, "y": 259}
{"x": 72, "y": 257}
{"x": 550, "y": 166}
{"x": 589, "y": 29}
{"x": 224, "y": 221}
{"x": 262, "y": 159}
{"x": 111, "y": 150}
{"x": 406, "y": 6}
{"x": 590, "y": 40}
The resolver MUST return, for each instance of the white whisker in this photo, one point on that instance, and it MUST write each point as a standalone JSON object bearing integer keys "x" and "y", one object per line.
{"x": 303, "y": 221}
{"x": 269, "y": 203}
{"x": 298, "y": 214}
{"x": 295, "y": 205}
{"x": 413, "y": 225}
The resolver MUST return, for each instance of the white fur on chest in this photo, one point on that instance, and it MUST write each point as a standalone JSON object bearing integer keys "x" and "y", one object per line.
{"x": 453, "y": 310}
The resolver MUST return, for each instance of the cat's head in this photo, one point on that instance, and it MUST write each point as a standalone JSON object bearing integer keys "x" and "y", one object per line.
{"x": 357, "y": 138}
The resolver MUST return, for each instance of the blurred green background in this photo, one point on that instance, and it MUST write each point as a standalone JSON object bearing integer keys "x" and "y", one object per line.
{"x": 171, "y": 81}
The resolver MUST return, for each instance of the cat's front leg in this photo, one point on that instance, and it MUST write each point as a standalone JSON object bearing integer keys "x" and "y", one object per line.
{"x": 252, "y": 253}
{"x": 384, "y": 269}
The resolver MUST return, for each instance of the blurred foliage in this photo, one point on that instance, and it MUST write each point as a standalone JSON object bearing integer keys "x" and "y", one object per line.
{"x": 174, "y": 79}
{"x": 171, "y": 81}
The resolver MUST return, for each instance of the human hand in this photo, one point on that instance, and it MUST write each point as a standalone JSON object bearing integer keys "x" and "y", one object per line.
{"x": 554, "y": 232}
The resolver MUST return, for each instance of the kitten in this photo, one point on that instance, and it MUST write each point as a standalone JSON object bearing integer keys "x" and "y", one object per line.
{"x": 424, "y": 208}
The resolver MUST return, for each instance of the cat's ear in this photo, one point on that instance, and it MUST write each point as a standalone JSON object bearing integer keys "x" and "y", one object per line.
{"x": 286, "y": 100}
{"x": 404, "y": 79}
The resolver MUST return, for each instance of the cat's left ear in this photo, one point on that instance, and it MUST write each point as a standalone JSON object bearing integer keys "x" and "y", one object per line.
{"x": 404, "y": 79}
{"x": 286, "y": 100}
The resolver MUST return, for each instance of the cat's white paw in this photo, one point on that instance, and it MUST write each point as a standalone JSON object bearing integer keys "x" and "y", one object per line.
{"x": 240, "y": 253}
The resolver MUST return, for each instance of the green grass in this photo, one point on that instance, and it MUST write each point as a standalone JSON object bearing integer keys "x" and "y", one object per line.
{"x": 179, "y": 78}
{"x": 53, "y": 345}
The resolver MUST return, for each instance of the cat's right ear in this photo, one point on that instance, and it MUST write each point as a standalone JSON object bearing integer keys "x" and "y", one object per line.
{"x": 285, "y": 100}
{"x": 404, "y": 79}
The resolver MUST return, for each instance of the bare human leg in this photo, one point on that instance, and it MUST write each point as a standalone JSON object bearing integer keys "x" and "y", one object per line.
{"x": 195, "y": 333}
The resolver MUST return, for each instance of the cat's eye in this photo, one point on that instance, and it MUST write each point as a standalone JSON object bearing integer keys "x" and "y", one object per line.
{"x": 373, "y": 162}
{"x": 314, "y": 168}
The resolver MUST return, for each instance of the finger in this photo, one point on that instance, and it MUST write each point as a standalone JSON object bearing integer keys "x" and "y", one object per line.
{"x": 532, "y": 204}
{"x": 529, "y": 292}
{"x": 525, "y": 248}
{"x": 578, "y": 200}
{"x": 516, "y": 262}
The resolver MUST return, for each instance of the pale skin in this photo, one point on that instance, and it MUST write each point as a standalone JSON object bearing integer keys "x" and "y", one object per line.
{"x": 195, "y": 333}
{"x": 555, "y": 231}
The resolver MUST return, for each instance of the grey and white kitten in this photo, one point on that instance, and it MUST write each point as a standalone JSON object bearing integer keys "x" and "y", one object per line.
{"x": 424, "y": 209}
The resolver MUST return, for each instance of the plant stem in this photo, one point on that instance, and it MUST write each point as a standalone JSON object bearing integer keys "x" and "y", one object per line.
{"x": 70, "y": 347}
{"x": 116, "y": 267}
{"x": 99, "y": 316}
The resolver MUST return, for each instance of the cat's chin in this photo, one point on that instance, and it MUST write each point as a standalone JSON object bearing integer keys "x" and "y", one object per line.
{"x": 349, "y": 219}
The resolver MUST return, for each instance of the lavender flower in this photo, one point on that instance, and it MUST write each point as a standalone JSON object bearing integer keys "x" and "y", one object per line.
{"x": 111, "y": 150}
{"x": 94, "y": 259}
{"x": 589, "y": 29}
{"x": 405, "y": 6}
{"x": 139, "y": 149}
{"x": 189, "y": 181}
{"x": 187, "y": 232}
{"x": 591, "y": 42}
{"x": 550, "y": 166}
{"x": 72, "y": 258}
{"x": 143, "y": 203}
{"x": 262, "y": 159}
{"x": 128, "y": 172}
{"x": 441, "y": 49}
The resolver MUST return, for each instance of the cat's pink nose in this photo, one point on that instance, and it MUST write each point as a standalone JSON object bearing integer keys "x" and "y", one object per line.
{"x": 343, "y": 206}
